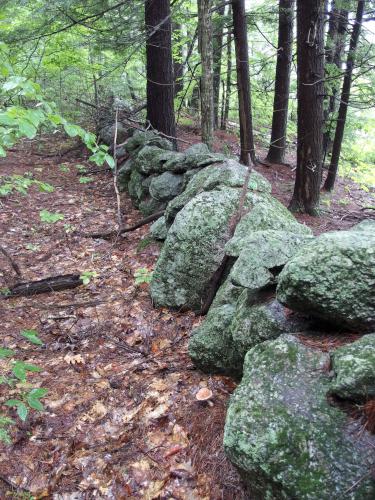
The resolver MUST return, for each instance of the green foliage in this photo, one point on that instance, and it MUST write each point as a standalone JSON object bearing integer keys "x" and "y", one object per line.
{"x": 84, "y": 180}
{"x": 50, "y": 217}
{"x": 14, "y": 378}
{"x": 87, "y": 276}
{"x": 21, "y": 184}
{"x": 142, "y": 275}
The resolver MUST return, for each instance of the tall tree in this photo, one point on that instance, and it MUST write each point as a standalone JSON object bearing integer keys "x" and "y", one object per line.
{"x": 335, "y": 46}
{"x": 277, "y": 147}
{"x": 160, "y": 81}
{"x": 345, "y": 97}
{"x": 310, "y": 76}
{"x": 243, "y": 82}
{"x": 205, "y": 49}
{"x": 218, "y": 26}
{"x": 178, "y": 65}
{"x": 228, "y": 83}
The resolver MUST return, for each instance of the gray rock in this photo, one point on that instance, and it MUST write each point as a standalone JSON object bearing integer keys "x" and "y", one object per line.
{"x": 139, "y": 139}
{"x": 166, "y": 186}
{"x": 150, "y": 206}
{"x": 159, "y": 229}
{"x": 193, "y": 250}
{"x": 124, "y": 174}
{"x": 354, "y": 367}
{"x": 284, "y": 437}
{"x": 137, "y": 187}
{"x": 107, "y": 134}
{"x": 229, "y": 173}
{"x": 150, "y": 159}
{"x": 333, "y": 278}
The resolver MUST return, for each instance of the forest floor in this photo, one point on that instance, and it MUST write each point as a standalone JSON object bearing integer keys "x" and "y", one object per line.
{"x": 121, "y": 419}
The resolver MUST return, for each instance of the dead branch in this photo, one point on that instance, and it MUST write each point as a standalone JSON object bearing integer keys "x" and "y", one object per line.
{"x": 126, "y": 229}
{"x": 51, "y": 284}
{"x": 12, "y": 262}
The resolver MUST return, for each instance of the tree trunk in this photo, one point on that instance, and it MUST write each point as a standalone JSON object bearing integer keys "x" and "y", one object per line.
{"x": 310, "y": 76}
{"x": 178, "y": 65}
{"x": 345, "y": 96}
{"x": 160, "y": 84}
{"x": 228, "y": 86}
{"x": 243, "y": 82}
{"x": 276, "y": 151}
{"x": 217, "y": 49}
{"x": 335, "y": 46}
{"x": 205, "y": 49}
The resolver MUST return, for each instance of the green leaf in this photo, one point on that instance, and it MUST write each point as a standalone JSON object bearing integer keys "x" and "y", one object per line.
{"x": 22, "y": 411}
{"x": 44, "y": 187}
{"x": 110, "y": 161}
{"x": 5, "y": 353}
{"x": 27, "y": 129}
{"x": 5, "y": 436}
{"x": 31, "y": 336}
{"x": 73, "y": 130}
{"x": 35, "y": 404}
{"x": 50, "y": 217}
{"x": 38, "y": 393}
{"x": 2, "y": 152}
{"x": 20, "y": 370}
{"x": 85, "y": 180}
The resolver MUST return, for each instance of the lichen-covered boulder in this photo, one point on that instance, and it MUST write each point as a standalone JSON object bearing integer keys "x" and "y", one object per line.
{"x": 107, "y": 134}
{"x": 123, "y": 175}
{"x": 159, "y": 229}
{"x": 140, "y": 138}
{"x": 228, "y": 173}
{"x": 138, "y": 187}
{"x": 193, "y": 250}
{"x": 150, "y": 206}
{"x": 197, "y": 156}
{"x": 285, "y": 438}
{"x": 333, "y": 278}
{"x": 354, "y": 368}
{"x": 150, "y": 159}
{"x": 166, "y": 186}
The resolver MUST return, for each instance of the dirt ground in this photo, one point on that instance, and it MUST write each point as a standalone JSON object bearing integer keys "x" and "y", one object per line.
{"x": 121, "y": 419}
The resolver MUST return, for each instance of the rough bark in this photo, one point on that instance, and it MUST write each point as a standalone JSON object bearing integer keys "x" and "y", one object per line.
{"x": 217, "y": 50}
{"x": 205, "y": 49}
{"x": 335, "y": 46}
{"x": 345, "y": 96}
{"x": 310, "y": 75}
{"x": 243, "y": 82}
{"x": 228, "y": 84}
{"x": 160, "y": 83}
{"x": 277, "y": 147}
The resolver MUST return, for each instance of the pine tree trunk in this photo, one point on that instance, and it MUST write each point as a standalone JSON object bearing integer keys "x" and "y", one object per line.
{"x": 335, "y": 46}
{"x": 228, "y": 86}
{"x": 243, "y": 82}
{"x": 160, "y": 84}
{"x": 282, "y": 82}
{"x": 310, "y": 75}
{"x": 205, "y": 49}
{"x": 217, "y": 49}
{"x": 345, "y": 96}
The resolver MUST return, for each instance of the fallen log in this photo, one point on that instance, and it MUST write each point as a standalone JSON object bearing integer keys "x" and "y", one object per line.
{"x": 125, "y": 229}
{"x": 51, "y": 284}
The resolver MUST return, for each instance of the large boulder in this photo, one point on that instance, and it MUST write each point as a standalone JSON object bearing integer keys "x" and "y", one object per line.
{"x": 285, "y": 438}
{"x": 354, "y": 368}
{"x": 333, "y": 278}
{"x": 193, "y": 250}
{"x": 107, "y": 134}
{"x": 166, "y": 186}
{"x": 150, "y": 159}
{"x": 159, "y": 229}
{"x": 229, "y": 173}
{"x": 139, "y": 139}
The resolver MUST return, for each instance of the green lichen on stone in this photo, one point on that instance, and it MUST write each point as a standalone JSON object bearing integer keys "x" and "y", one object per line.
{"x": 285, "y": 438}
{"x": 193, "y": 250}
{"x": 333, "y": 278}
{"x": 137, "y": 187}
{"x": 123, "y": 175}
{"x": 140, "y": 138}
{"x": 166, "y": 186}
{"x": 354, "y": 368}
{"x": 159, "y": 229}
{"x": 150, "y": 159}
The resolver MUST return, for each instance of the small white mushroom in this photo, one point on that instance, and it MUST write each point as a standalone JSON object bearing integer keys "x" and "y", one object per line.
{"x": 204, "y": 394}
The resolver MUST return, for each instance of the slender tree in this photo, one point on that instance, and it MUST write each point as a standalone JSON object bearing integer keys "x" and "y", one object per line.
{"x": 178, "y": 64}
{"x": 335, "y": 46}
{"x": 310, "y": 75}
{"x": 160, "y": 81}
{"x": 277, "y": 147}
{"x": 345, "y": 96}
{"x": 228, "y": 83}
{"x": 205, "y": 49}
{"x": 218, "y": 27}
{"x": 243, "y": 82}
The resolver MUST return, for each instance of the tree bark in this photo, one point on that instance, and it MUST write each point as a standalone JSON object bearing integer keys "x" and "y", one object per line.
{"x": 345, "y": 96}
{"x": 160, "y": 83}
{"x": 228, "y": 86}
{"x": 310, "y": 76}
{"x": 217, "y": 50}
{"x": 243, "y": 82}
{"x": 276, "y": 151}
{"x": 205, "y": 49}
{"x": 178, "y": 65}
{"x": 335, "y": 46}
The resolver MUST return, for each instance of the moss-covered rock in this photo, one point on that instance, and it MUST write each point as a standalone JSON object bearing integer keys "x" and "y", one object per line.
{"x": 333, "y": 278}
{"x": 228, "y": 173}
{"x": 193, "y": 250}
{"x": 159, "y": 229}
{"x": 124, "y": 174}
{"x": 150, "y": 159}
{"x": 284, "y": 437}
{"x": 138, "y": 187}
{"x": 166, "y": 186}
{"x": 354, "y": 368}
{"x": 139, "y": 139}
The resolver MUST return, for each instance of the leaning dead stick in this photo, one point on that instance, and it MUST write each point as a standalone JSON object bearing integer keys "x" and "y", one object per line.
{"x": 11, "y": 261}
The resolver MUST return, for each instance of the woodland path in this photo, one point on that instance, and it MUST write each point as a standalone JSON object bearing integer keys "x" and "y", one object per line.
{"x": 121, "y": 417}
